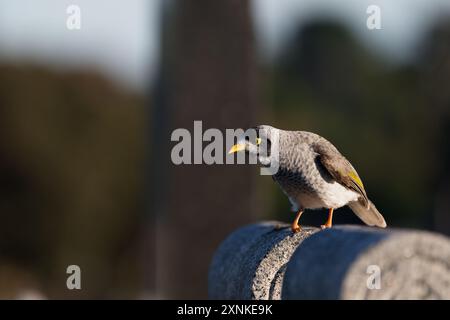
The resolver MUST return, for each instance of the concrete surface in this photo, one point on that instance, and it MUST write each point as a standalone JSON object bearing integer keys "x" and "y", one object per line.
{"x": 268, "y": 261}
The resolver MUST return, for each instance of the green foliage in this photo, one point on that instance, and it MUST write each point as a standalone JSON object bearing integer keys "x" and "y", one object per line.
{"x": 71, "y": 161}
{"x": 378, "y": 116}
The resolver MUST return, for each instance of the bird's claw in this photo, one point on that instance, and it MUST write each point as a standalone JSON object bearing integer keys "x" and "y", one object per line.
{"x": 296, "y": 228}
{"x": 325, "y": 226}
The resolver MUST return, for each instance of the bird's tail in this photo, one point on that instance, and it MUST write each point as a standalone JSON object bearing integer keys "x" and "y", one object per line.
{"x": 368, "y": 214}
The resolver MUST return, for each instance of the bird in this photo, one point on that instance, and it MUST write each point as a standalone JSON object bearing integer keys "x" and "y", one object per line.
{"x": 311, "y": 172}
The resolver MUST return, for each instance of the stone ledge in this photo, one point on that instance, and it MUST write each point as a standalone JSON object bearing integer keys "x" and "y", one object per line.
{"x": 267, "y": 261}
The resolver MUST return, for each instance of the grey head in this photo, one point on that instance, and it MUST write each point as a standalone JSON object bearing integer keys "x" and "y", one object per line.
{"x": 261, "y": 142}
{"x": 271, "y": 144}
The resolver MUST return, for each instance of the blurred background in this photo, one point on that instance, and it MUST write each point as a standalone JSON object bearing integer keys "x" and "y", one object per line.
{"x": 86, "y": 117}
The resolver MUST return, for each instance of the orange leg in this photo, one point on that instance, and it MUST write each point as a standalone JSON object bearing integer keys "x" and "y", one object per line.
{"x": 329, "y": 222}
{"x": 295, "y": 227}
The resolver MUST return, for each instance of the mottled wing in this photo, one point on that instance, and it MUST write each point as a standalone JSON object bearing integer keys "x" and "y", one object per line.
{"x": 340, "y": 168}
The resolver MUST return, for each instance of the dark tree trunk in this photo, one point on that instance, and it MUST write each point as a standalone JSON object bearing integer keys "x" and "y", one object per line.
{"x": 209, "y": 74}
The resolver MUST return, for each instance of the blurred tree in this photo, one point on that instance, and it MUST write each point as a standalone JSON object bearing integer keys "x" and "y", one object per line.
{"x": 435, "y": 65}
{"x": 71, "y": 152}
{"x": 330, "y": 62}
{"x": 210, "y": 75}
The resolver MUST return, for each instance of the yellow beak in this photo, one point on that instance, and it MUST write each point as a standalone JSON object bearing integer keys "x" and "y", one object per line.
{"x": 236, "y": 148}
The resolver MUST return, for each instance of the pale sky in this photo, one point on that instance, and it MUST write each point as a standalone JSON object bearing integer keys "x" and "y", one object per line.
{"x": 121, "y": 38}
{"x": 403, "y": 22}
{"x": 118, "y": 37}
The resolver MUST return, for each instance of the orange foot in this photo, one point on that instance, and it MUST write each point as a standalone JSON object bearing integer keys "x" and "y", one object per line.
{"x": 329, "y": 222}
{"x": 295, "y": 227}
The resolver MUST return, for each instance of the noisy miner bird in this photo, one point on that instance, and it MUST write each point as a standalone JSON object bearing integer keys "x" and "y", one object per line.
{"x": 312, "y": 173}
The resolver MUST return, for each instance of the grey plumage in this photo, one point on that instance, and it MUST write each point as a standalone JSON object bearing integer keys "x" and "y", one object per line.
{"x": 370, "y": 216}
{"x": 314, "y": 174}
